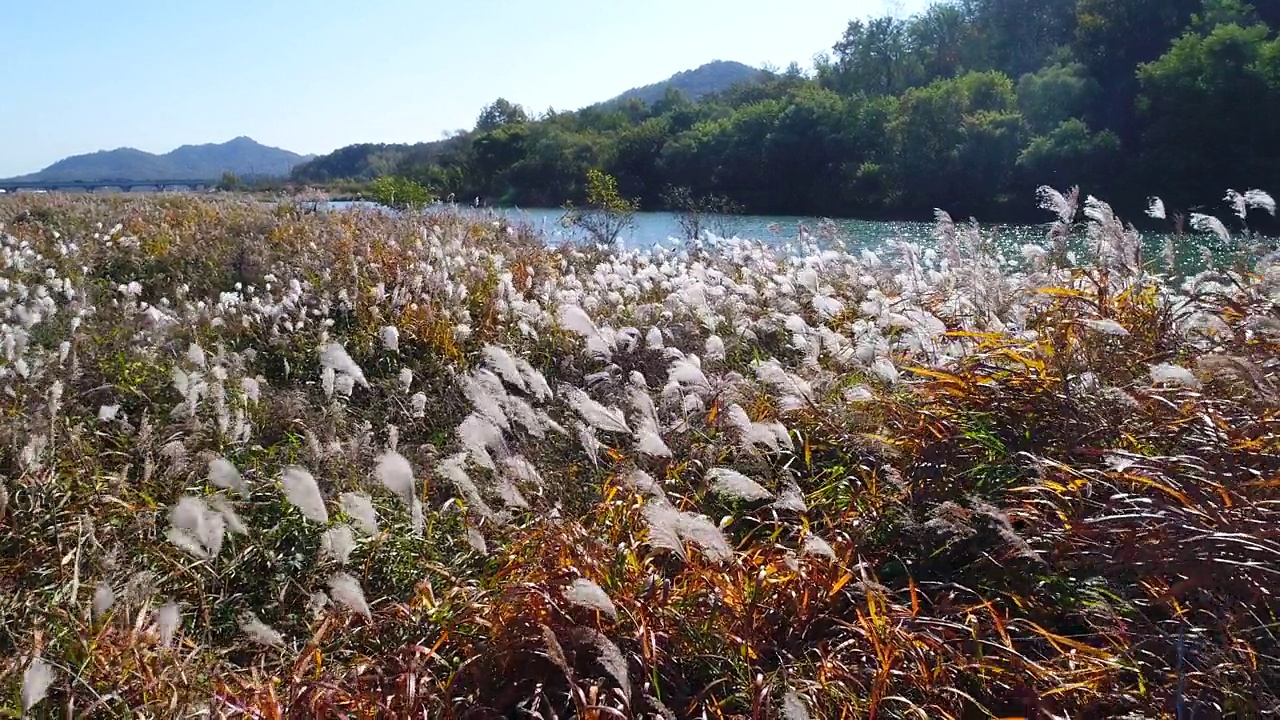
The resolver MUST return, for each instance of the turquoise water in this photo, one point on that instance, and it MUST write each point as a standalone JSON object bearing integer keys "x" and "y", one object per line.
{"x": 663, "y": 228}
{"x": 654, "y": 228}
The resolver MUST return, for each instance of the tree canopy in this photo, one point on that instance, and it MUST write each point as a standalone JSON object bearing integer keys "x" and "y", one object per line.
{"x": 968, "y": 105}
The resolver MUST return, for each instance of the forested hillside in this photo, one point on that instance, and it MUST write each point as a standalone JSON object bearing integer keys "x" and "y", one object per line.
{"x": 968, "y": 105}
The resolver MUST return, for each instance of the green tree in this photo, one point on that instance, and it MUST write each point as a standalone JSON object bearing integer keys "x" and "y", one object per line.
{"x": 230, "y": 182}
{"x": 606, "y": 214}
{"x": 500, "y": 113}
{"x": 1071, "y": 155}
{"x": 400, "y": 193}
{"x": 1209, "y": 107}
{"x": 1055, "y": 93}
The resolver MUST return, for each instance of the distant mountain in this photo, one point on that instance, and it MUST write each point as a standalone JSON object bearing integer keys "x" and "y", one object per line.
{"x": 242, "y": 156}
{"x": 714, "y": 77}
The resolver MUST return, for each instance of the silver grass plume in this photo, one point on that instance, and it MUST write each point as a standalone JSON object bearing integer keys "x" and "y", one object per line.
{"x": 586, "y": 593}
{"x": 335, "y": 356}
{"x": 103, "y": 598}
{"x": 396, "y": 475}
{"x": 360, "y": 508}
{"x": 346, "y": 591}
{"x": 608, "y": 655}
{"x": 734, "y": 484}
{"x": 1168, "y": 373}
{"x": 390, "y": 336}
{"x": 260, "y": 632}
{"x": 223, "y": 474}
{"x": 301, "y": 490}
{"x": 669, "y": 528}
{"x": 167, "y": 618}
{"x": 337, "y": 543}
{"x": 502, "y": 363}
{"x": 478, "y": 435}
{"x": 596, "y": 415}
{"x": 36, "y": 680}
{"x": 814, "y": 545}
{"x": 195, "y": 528}
{"x": 793, "y": 708}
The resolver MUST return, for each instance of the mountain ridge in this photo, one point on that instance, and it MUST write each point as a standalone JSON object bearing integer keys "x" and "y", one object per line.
{"x": 240, "y": 155}
{"x": 696, "y": 83}
{"x": 364, "y": 161}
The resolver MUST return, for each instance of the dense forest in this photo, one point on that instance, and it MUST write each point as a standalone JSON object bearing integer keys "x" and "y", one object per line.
{"x": 968, "y": 105}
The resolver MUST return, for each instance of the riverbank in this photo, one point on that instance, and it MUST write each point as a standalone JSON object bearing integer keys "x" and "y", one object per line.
{"x": 307, "y": 464}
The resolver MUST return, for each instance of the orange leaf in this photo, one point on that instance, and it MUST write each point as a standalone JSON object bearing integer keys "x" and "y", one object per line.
{"x": 844, "y": 580}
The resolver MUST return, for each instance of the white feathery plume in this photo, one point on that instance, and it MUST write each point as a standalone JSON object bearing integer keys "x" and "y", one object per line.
{"x": 793, "y": 708}
{"x": 643, "y": 404}
{"x": 396, "y": 475}
{"x": 167, "y": 618}
{"x": 486, "y": 398}
{"x": 669, "y": 528}
{"x": 736, "y": 485}
{"x": 224, "y": 475}
{"x": 345, "y": 590}
{"x": 1175, "y": 374}
{"x": 1260, "y": 200}
{"x": 390, "y": 336}
{"x": 103, "y": 598}
{"x": 36, "y": 680}
{"x": 233, "y": 521}
{"x": 714, "y": 348}
{"x": 1210, "y": 224}
{"x": 1155, "y": 208}
{"x": 644, "y": 482}
{"x": 1107, "y": 326}
{"x": 649, "y": 442}
{"x": 360, "y": 508}
{"x": 260, "y": 632}
{"x": 814, "y": 545}
{"x": 476, "y": 540}
{"x": 343, "y": 385}
{"x": 451, "y": 468}
{"x": 1055, "y": 202}
{"x": 335, "y": 356}
{"x": 1238, "y": 204}
{"x": 196, "y": 356}
{"x": 252, "y": 389}
{"x": 791, "y": 498}
{"x": 302, "y": 491}
{"x": 598, "y": 416}
{"x": 686, "y": 372}
{"x": 520, "y": 469}
{"x": 503, "y": 364}
{"x": 534, "y": 380}
{"x": 195, "y": 528}
{"x": 663, "y": 523}
{"x": 609, "y": 657}
{"x": 590, "y": 444}
{"x": 653, "y": 339}
{"x": 337, "y": 543}
{"x": 884, "y": 369}
{"x": 478, "y": 436}
{"x": 328, "y": 381}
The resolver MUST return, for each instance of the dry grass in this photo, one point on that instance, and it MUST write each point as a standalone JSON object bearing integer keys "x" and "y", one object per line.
{"x": 1024, "y": 524}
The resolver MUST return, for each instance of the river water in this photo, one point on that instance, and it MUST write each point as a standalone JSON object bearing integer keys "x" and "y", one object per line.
{"x": 663, "y": 228}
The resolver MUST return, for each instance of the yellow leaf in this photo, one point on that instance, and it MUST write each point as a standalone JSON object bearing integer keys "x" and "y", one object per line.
{"x": 844, "y": 580}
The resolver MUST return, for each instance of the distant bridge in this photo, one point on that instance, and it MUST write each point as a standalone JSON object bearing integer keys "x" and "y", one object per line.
{"x": 10, "y": 186}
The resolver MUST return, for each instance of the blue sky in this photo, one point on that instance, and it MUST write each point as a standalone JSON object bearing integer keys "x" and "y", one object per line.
{"x": 86, "y": 75}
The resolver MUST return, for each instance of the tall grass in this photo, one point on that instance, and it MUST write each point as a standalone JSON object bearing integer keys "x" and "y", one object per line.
{"x": 266, "y": 462}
